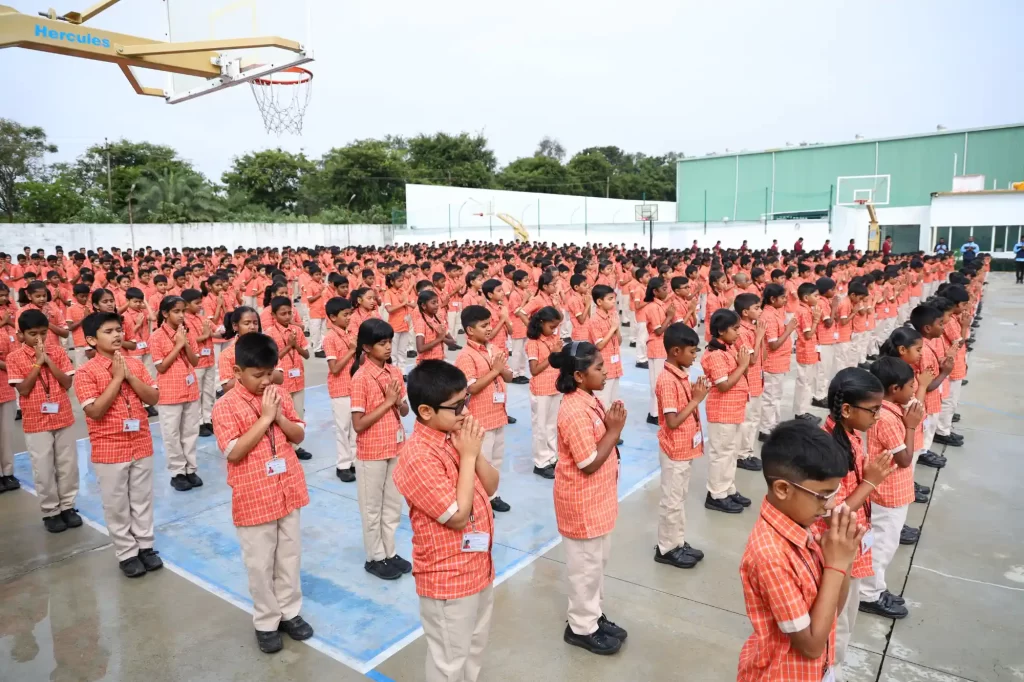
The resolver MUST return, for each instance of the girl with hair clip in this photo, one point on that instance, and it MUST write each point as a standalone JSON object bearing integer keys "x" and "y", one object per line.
{"x": 543, "y": 340}
{"x": 277, "y": 289}
{"x": 726, "y": 369}
{"x": 430, "y": 330}
{"x": 907, "y": 344}
{"x": 238, "y": 322}
{"x": 378, "y": 405}
{"x": 855, "y": 399}
{"x": 585, "y": 492}
{"x": 200, "y": 329}
{"x": 657, "y": 314}
{"x": 364, "y": 304}
{"x": 175, "y": 357}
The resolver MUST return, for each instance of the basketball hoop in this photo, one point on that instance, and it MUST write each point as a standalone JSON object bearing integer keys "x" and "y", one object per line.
{"x": 860, "y": 202}
{"x": 282, "y": 98}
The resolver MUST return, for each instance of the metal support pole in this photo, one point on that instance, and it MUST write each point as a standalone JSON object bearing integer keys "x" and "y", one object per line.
{"x": 831, "y": 192}
{"x": 705, "y": 211}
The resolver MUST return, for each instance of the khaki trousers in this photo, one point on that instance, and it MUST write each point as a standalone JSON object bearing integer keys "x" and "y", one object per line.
{"x": 586, "y": 561}
{"x": 127, "y": 492}
{"x": 845, "y": 622}
{"x": 771, "y": 402}
{"x": 399, "y": 349}
{"x": 299, "y": 401}
{"x": 804, "y": 388}
{"x": 609, "y": 393}
{"x": 207, "y": 379}
{"x": 675, "y": 482}
{"x": 723, "y": 444}
{"x": 380, "y": 506}
{"x": 179, "y": 426}
{"x": 316, "y": 333}
{"x": 493, "y": 449}
{"x": 519, "y": 363}
{"x": 272, "y": 554}
{"x": 655, "y": 366}
{"x": 825, "y": 370}
{"x": 54, "y": 457}
{"x": 456, "y": 631}
{"x": 859, "y": 348}
{"x": 886, "y": 524}
{"x": 750, "y": 426}
{"x": 931, "y": 424}
{"x": 949, "y": 403}
{"x": 844, "y": 357}
{"x": 641, "y": 341}
{"x": 544, "y": 423}
{"x": 344, "y": 434}
{"x": 7, "y": 411}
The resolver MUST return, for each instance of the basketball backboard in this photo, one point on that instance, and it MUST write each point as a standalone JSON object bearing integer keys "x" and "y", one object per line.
{"x": 856, "y": 190}
{"x": 646, "y": 212}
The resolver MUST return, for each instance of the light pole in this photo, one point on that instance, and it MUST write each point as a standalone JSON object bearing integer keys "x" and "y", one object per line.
{"x": 131, "y": 221}
{"x": 459, "y": 219}
{"x": 349, "y": 201}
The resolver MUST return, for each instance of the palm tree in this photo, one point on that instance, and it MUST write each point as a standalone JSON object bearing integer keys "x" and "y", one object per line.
{"x": 177, "y": 197}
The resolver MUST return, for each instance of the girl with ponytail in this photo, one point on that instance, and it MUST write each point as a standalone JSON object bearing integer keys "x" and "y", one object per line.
{"x": 238, "y": 322}
{"x": 855, "y": 399}
{"x": 543, "y": 342}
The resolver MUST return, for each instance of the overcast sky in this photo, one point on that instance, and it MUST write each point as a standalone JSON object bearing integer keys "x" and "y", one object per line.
{"x": 646, "y": 75}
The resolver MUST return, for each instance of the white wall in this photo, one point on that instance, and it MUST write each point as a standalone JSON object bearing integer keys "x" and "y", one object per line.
{"x": 968, "y": 210}
{"x": 434, "y": 207}
{"x": 46, "y": 236}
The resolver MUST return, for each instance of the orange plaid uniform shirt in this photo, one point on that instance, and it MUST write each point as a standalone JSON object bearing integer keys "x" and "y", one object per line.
{"x": 7, "y": 392}
{"x": 776, "y": 361}
{"x": 46, "y": 389}
{"x": 540, "y": 349}
{"x": 359, "y": 315}
{"x": 540, "y": 300}
{"x": 654, "y": 315}
{"x": 267, "y": 318}
{"x": 674, "y": 393}
{"x": 576, "y": 306}
{"x": 781, "y": 571}
{"x": 76, "y": 313}
{"x": 488, "y": 406}
{"x": 291, "y": 364}
{"x": 256, "y": 497}
{"x": 755, "y": 370}
{"x": 317, "y": 308}
{"x": 826, "y": 335}
{"x": 195, "y": 330}
{"x": 845, "y": 331}
{"x": 515, "y": 305}
{"x": 862, "y": 564}
{"x": 428, "y": 329}
{"x": 111, "y": 444}
{"x": 427, "y": 474}
{"x": 501, "y": 334}
{"x": 806, "y": 349}
{"x": 586, "y": 505}
{"x": 336, "y": 345}
{"x": 724, "y": 407}
{"x": 602, "y": 324}
{"x": 398, "y": 320}
{"x": 226, "y": 363}
{"x": 888, "y": 434}
{"x": 713, "y": 303}
{"x": 210, "y": 307}
{"x": 930, "y": 361}
{"x": 951, "y": 332}
{"x": 54, "y": 315}
{"x": 384, "y": 439}
{"x": 178, "y": 384}
{"x": 129, "y": 320}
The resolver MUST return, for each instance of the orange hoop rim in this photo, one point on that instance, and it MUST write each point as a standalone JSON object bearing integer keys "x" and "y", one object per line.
{"x": 305, "y": 76}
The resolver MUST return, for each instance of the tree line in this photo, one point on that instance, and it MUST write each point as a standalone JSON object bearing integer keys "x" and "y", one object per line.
{"x": 361, "y": 182}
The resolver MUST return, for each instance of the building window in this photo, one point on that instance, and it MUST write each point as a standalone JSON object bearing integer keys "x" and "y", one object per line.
{"x": 1000, "y": 240}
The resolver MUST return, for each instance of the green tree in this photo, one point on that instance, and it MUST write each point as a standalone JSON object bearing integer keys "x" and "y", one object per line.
{"x": 592, "y": 171}
{"x": 176, "y": 197}
{"x": 549, "y": 146}
{"x": 458, "y": 160}
{"x": 270, "y": 178}
{"x": 537, "y": 174}
{"x": 361, "y": 175}
{"x": 131, "y": 163}
{"x": 56, "y": 201}
{"x": 21, "y": 156}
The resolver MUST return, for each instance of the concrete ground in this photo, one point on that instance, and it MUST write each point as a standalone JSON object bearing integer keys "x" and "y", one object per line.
{"x": 67, "y": 614}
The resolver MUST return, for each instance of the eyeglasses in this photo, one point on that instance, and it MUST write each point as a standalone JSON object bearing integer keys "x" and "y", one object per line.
{"x": 457, "y": 408}
{"x": 873, "y": 410}
{"x": 818, "y": 496}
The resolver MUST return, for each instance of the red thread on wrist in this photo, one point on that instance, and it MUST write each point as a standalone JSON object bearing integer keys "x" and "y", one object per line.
{"x": 837, "y": 570}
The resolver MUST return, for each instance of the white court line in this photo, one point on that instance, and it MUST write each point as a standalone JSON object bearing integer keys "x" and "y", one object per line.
{"x": 968, "y": 580}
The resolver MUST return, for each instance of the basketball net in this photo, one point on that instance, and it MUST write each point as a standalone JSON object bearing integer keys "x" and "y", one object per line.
{"x": 282, "y": 99}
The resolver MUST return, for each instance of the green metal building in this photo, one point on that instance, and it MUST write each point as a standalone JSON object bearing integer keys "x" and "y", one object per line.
{"x": 809, "y": 180}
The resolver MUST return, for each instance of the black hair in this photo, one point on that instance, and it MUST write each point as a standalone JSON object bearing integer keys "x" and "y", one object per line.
{"x": 577, "y": 280}
{"x": 900, "y": 336}
{"x": 545, "y": 314}
{"x": 678, "y": 334}
{"x": 544, "y": 279}
{"x": 652, "y": 284}
{"x": 389, "y": 279}
{"x": 192, "y": 295}
{"x": 432, "y": 382}
{"x": 474, "y": 314}
{"x": 358, "y": 294}
{"x": 336, "y": 305}
{"x": 80, "y": 288}
{"x": 278, "y": 302}
{"x": 473, "y": 274}
{"x": 956, "y": 293}
{"x": 97, "y": 296}
{"x": 489, "y": 287}
{"x": 134, "y": 294}
{"x": 92, "y": 322}
{"x": 924, "y": 315}
{"x": 256, "y": 351}
{"x": 825, "y": 284}
{"x": 892, "y": 371}
{"x": 771, "y": 291}
{"x": 577, "y": 356}
{"x": 600, "y": 291}
{"x": 857, "y": 288}
{"x": 797, "y": 450}
{"x": 268, "y": 292}
{"x": 233, "y": 317}
{"x": 32, "y": 287}
{"x": 745, "y": 302}
{"x": 372, "y": 331}
{"x": 166, "y": 304}
{"x": 806, "y": 289}
{"x": 850, "y": 385}
{"x": 519, "y": 276}
{"x": 721, "y": 319}
{"x": 32, "y": 319}
{"x": 425, "y": 297}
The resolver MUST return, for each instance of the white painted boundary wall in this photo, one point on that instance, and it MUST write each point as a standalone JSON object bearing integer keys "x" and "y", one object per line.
{"x": 46, "y": 236}
{"x": 433, "y": 206}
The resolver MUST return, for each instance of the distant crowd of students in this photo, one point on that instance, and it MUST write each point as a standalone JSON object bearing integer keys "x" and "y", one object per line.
{"x": 217, "y": 344}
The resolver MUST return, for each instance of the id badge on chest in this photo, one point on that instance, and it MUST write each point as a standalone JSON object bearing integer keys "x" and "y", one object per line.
{"x": 698, "y": 438}
{"x": 205, "y": 352}
{"x": 50, "y": 408}
{"x": 400, "y": 436}
{"x": 475, "y": 541}
{"x": 294, "y": 372}
{"x": 829, "y": 675}
{"x": 141, "y": 345}
{"x": 868, "y": 541}
{"x": 276, "y": 466}
{"x": 817, "y": 349}
{"x": 190, "y": 379}
{"x": 615, "y": 359}
{"x": 835, "y": 335}
{"x": 130, "y": 425}
{"x": 499, "y": 397}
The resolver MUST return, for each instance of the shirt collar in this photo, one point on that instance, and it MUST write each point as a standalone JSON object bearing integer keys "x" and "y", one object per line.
{"x": 432, "y": 437}
{"x": 785, "y": 526}
{"x": 589, "y": 400}
{"x": 479, "y": 347}
{"x": 681, "y": 373}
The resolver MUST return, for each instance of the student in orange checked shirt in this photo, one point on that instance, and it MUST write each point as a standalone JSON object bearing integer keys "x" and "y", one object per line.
{"x": 447, "y": 482}
{"x": 256, "y": 426}
{"x": 586, "y": 497}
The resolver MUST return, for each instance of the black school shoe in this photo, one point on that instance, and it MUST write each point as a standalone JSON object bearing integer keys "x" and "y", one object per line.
{"x": 132, "y": 568}
{"x": 410, "y": 354}
{"x": 55, "y": 524}
{"x": 194, "y": 479}
{"x": 749, "y": 463}
{"x": 511, "y": 419}
{"x": 151, "y": 412}
{"x": 547, "y": 472}
{"x": 205, "y": 431}
{"x": 956, "y": 417}
{"x": 269, "y": 642}
{"x": 400, "y": 563}
{"x": 597, "y": 643}
{"x": 347, "y": 475}
{"x": 762, "y": 437}
{"x": 819, "y": 403}
{"x": 885, "y": 608}
{"x": 303, "y": 454}
{"x": 296, "y": 628}
{"x": 17, "y": 416}
{"x": 521, "y": 381}
{"x": 739, "y": 499}
{"x": 632, "y": 344}
{"x": 9, "y": 483}
{"x": 651, "y": 419}
{"x": 909, "y": 536}
{"x": 726, "y": 504}
{"x": 894, "y": 598}
{"x": 677, "y": 557}
{"x": 930, "y": 459}
{"x": 71, "y": 518}
{"x": 642, "y": 365}
{"x": 150, "y": 559}
{"x": 949, "y": 440}
{"x": 920, "y": 497}
{"x": 611, "y": 629}
{"x": 500, "y": 505}
{"x": 963, "y": 383}
{"x": 921, "y": 488}
{"x": 180, "y": 483}
{"x": 383, "y": 570}
{"x": 807, "y": 416}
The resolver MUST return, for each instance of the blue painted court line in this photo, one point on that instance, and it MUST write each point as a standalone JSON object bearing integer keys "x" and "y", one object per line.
{"x": 378, "y": 677}
{"x": 359, "y": 620}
